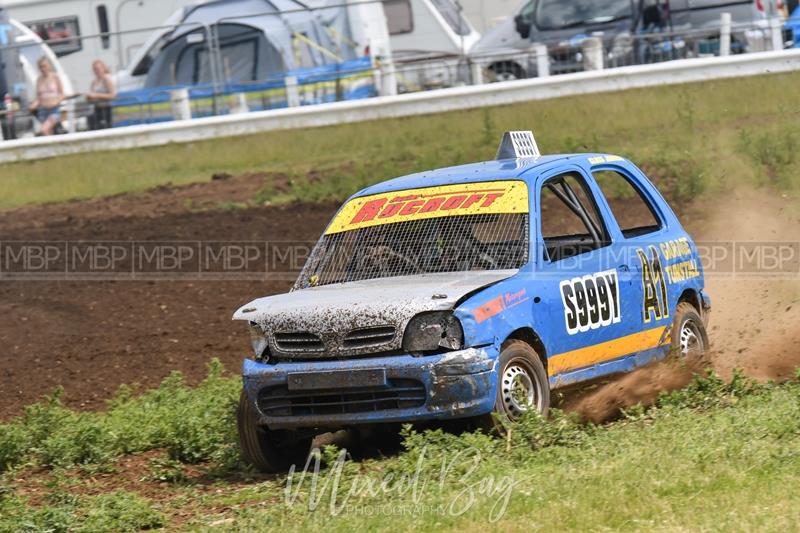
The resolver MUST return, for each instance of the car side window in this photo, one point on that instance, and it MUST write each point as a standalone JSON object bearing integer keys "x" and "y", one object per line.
{"x": 634, "y": 213}
{"x": 570, "y": 222}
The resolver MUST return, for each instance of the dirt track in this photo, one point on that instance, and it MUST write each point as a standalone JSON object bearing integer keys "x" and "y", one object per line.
{"x": 90, "y": 337}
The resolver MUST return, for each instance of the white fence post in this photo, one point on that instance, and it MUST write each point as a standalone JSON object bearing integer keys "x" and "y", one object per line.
{"x": 725, "y": 34}
{"x": 776, "y": 29}
{"x": 240, "y": 104}
{"x": 477, "y": 73}
{"x": 377, "y": 78}
{"x": 592, "y": 53}
{"x": 542, "y": 60}
{"x": 389, "y": 87}
{"x": 181, "y": 106}
{"x": 292, "y": 92}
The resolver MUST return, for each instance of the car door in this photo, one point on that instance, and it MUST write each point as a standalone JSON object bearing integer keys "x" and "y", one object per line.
{"x": 586, "y": 288}
{"x": 641, "y": 232}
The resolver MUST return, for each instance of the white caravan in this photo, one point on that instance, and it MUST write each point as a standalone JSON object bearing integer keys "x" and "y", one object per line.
{"x": 80, "y": 31}
{"x": 428, "y": 27}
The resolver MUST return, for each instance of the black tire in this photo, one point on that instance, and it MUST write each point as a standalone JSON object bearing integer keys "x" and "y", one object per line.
{"x": 689, "y": 337}
{"x": 522, "y": 385}
{"x": 267, "y": 450}
{"x": 507, "y": 71}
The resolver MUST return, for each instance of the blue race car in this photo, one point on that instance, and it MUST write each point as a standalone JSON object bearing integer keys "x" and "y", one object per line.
{"x": 470, "y": 293}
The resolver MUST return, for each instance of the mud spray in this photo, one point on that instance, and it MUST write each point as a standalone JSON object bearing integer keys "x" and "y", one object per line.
{"x": 755, "y": 320}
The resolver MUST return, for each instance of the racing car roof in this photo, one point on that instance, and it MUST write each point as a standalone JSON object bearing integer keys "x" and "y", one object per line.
{"x": 471, "y": 173}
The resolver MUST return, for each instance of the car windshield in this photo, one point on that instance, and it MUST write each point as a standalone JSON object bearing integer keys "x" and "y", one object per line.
{"x": 442, "y": 229}
{"x": 561, "y": 14}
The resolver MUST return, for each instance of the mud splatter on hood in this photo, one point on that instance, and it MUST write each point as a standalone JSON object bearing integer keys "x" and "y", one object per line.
{"x": 331, "y": 312}
{"x": 372, "y": 297}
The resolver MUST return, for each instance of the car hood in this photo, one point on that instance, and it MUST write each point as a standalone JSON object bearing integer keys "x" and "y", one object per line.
{"x": 332, "y": 312}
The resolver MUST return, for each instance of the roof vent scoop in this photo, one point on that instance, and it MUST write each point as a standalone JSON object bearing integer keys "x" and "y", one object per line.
{"x": 518, "y": 145}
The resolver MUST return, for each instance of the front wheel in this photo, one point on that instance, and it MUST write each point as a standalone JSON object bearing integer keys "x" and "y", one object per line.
{"x": 522, "y": 386}
{"x": 265, "y": 449}
{"x": 689, "y": 337}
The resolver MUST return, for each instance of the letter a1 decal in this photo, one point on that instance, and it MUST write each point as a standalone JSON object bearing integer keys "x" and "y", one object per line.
{"x": 655, "y": 304}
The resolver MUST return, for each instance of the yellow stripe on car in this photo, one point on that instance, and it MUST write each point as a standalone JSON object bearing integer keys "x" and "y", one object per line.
{"x": 607, "y": 351}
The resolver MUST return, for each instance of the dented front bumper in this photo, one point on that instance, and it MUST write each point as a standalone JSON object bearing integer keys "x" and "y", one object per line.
{"x": 454, "y": 385}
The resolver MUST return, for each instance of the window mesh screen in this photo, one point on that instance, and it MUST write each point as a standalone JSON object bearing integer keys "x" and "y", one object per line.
{"x": 447, "y": 244}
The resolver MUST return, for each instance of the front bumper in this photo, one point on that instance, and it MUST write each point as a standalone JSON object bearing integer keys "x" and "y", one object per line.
{"x": 456, "y": 385}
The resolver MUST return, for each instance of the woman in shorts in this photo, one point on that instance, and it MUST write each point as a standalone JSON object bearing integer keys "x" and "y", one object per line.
{"x": 49, "y": 95}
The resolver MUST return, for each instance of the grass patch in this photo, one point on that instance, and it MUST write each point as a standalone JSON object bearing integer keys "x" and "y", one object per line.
{"x": 193, "y": 425}
{"x": 716, "y": 455}
{"x": 691, "y": 132}
{"x": 118, "y": 511}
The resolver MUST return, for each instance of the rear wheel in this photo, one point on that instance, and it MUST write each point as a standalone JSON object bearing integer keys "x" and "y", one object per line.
{"x": 522, "y": 386}
{"x": 265, "y": 449}
{"x": 688, "y": 331}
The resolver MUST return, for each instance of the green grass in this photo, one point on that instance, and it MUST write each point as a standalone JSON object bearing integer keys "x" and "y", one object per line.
{"x": 714, "y": 456}
{"x": 692, "y": 136}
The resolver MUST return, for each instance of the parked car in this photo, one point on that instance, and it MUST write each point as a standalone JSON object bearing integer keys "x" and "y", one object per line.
{"x": 629, "y": 30}
{"x": 469, "y": 291}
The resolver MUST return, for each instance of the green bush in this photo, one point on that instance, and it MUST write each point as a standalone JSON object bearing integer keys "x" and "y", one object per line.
{"x": 192, "y": 424}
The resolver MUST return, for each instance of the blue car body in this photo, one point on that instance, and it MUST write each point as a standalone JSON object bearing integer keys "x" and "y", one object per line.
{"x": 605, "y": 311}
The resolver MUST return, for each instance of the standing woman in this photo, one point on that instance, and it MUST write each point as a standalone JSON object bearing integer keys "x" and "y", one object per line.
{"x": 49, "y": 95}
{"x": 101, "y": 94}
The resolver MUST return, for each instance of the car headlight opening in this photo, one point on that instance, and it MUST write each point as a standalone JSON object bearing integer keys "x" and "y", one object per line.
{"x": 433, "y": 332}
{"x": 258, "y": 341}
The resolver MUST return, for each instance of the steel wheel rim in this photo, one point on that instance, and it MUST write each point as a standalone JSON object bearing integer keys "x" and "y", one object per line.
{"x": 518, "y": 390}
{"x": 691, "y": 340}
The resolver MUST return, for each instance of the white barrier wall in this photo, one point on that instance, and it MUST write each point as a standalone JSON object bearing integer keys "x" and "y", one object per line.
{"x": 672, "y": 72}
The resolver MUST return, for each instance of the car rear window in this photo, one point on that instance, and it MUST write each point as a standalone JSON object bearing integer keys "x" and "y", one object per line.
{"x": 454, "y": 228}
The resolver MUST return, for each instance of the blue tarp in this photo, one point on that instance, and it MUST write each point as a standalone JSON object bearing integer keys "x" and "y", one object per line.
{"x": 793, "y": 24}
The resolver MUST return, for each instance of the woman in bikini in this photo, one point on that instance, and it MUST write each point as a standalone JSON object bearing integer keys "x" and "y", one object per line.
{"x": 49, "y": 95}
{"x": 101, "y": 94}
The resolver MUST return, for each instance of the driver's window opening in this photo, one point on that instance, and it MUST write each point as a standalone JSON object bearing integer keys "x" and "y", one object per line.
{"x": 635, "y": 215}
{"x": 570, "y": 222}
{"x": 497, "y": 241}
